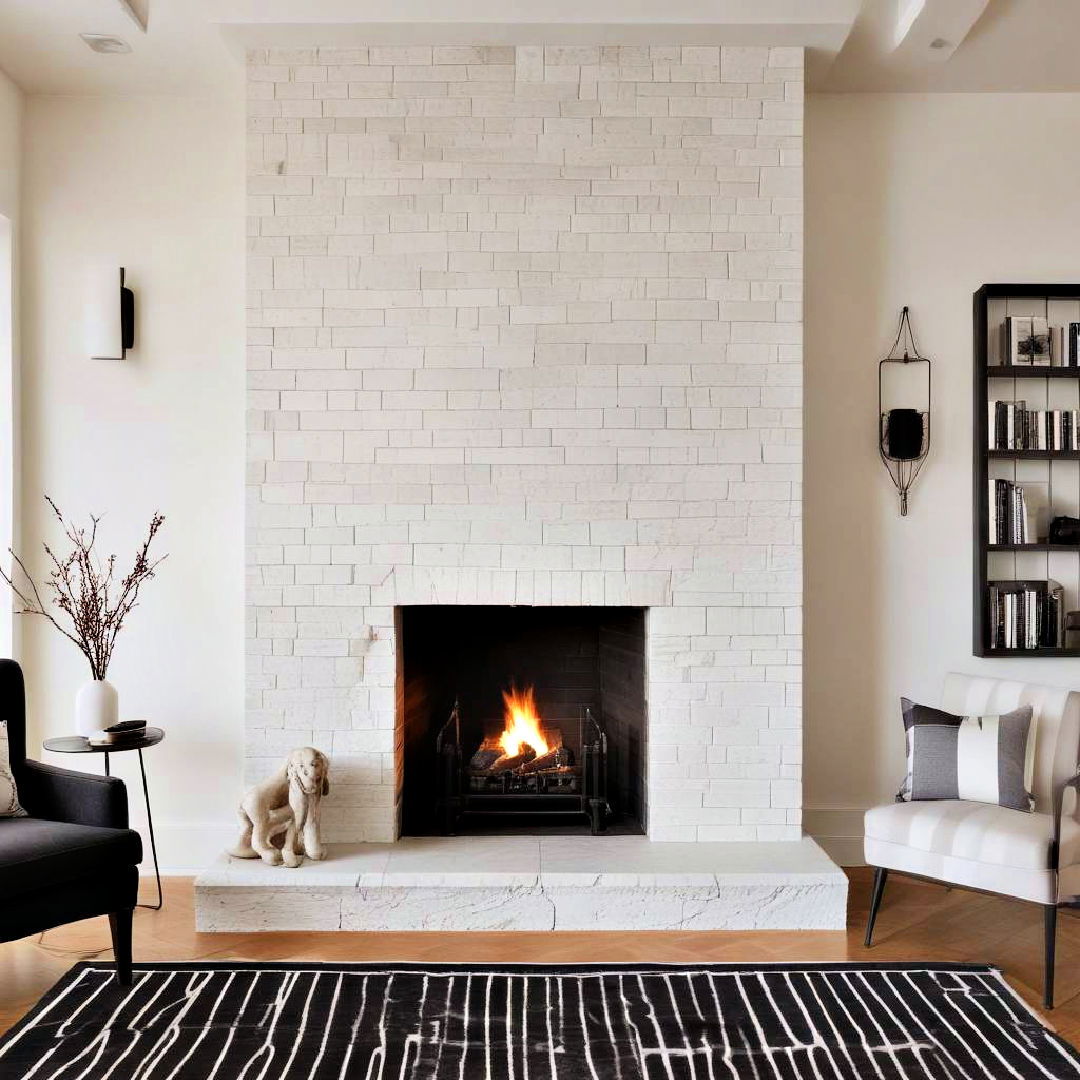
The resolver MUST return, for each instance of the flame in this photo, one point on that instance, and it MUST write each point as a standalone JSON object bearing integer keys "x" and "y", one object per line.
{"x": 522, "y": 723}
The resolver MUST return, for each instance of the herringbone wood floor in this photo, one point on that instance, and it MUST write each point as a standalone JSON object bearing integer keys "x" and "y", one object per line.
{"x": 918, "y": 921}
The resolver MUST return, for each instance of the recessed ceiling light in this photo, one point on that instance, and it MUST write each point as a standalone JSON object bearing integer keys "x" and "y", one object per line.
{"x": 939, "y": 43}
{"x": 106, "y": 43}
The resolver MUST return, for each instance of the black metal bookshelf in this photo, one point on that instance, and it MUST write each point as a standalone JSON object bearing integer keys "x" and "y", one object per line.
{"x": 990, "y": 303}
{"x": 1034, "y": 455}
{"x": 1020, "y": 371}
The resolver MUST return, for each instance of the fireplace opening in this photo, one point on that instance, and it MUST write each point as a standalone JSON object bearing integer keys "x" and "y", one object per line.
{"x": 522, "y": 719}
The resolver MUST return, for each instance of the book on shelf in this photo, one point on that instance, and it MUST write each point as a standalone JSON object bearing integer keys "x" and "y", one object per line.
{"x": 1039, "y": 344}
{"x": 1026, "y": 339}
{"x": 1014, "y": 330}
{"x": 1018, "y": 513}
{"x": 1026, "y": 614}
{"x": 1065, "y": 345}
{"x": 1011, "y": 425}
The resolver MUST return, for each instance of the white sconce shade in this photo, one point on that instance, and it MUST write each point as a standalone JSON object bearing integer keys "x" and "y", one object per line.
{"x": 109, "y": 313}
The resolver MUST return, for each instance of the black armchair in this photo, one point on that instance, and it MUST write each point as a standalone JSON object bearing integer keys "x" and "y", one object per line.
{"x": 73, "y": 856}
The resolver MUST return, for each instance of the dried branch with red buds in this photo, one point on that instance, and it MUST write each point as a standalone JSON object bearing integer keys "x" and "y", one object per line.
{"x": 88, "y": 605}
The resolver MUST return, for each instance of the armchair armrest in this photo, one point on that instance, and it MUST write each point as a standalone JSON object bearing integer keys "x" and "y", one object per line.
{"x": 1059, "y": 801}
{"x": 77, "y": 798}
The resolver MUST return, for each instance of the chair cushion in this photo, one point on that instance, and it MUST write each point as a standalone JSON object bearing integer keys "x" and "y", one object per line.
{"x": 35, "y": 853}
{"x": 981, "y": 832}
{"x": 968, "y": 843}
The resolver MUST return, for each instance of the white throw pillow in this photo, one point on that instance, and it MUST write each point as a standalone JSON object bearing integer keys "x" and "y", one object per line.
{"x": 9, "y": 795}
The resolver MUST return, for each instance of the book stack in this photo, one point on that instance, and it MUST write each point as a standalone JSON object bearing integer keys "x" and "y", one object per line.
{"x": 1012, "y": 514}
{"x": 1028, "y": 340}
{"x": 1026, "y": 615}
{"x": 1013, "y": 426}
{"x": 1065, "y": 345}
{"x": 126, "y": 733}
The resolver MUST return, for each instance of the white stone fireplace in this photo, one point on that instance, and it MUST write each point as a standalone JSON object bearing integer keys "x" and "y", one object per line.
{"x": 525, "y": 329}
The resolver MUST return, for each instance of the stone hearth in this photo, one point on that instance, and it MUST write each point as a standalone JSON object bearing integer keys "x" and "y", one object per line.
{"x": 532, "y": 883}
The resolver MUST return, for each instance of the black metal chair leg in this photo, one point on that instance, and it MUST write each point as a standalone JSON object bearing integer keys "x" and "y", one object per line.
{"x": 120, "y": 925}
{"x": 1050, "y": 932}
{"x": 880, "y": 877}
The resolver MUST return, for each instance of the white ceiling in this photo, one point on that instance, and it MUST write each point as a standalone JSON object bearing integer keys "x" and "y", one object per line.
{"x": 182, "y": 52}
{"x": 195, "y": 46}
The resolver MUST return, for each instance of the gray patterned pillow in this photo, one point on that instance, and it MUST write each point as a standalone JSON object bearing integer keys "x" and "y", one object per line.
{"x": 9, "y": 795}
{"x": 987, "y": 759}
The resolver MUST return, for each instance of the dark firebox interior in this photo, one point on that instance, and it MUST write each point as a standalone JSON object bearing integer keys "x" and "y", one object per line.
{"x": 573, "y": 657}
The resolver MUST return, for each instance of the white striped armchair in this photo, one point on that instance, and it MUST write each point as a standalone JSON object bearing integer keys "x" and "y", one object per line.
{"x": 1032, "y": 856}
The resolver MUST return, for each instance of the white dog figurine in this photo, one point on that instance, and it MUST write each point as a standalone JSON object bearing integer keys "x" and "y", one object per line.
{"x": 286, "y": 804}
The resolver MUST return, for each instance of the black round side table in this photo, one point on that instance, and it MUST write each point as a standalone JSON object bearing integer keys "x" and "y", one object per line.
{"x": 79, "y": 744}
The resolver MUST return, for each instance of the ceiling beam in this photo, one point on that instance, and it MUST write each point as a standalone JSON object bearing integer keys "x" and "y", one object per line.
{"x": 343, "y": 12}
{"x": 138, "y": 11}
{"x": 823, "y": 24}
{"x": 933, "y": 29}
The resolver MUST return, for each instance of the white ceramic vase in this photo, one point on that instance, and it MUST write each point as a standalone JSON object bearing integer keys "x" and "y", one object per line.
{"x": 97, "y": 707}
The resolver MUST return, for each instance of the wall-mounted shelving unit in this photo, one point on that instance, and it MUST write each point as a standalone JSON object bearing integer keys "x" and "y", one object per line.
{"x": 1055, "y": 474}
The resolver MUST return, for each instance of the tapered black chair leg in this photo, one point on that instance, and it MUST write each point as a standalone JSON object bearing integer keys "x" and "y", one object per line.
{"x": 120, "y": 925}
{"x": 1050, "y": 930}
{"x": 880, "y": 876}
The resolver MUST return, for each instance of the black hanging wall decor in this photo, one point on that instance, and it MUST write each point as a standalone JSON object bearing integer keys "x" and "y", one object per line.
{"x": 903, "y": 433}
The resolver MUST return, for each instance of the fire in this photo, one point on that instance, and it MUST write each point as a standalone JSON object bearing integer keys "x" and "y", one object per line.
{"x": 522, "y": 723}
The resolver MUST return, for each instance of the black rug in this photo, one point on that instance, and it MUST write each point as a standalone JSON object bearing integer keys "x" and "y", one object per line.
{"x": 235, "y": 1021}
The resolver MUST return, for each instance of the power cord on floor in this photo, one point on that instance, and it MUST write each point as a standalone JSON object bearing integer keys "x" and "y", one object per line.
{"x": 76, "y": 954}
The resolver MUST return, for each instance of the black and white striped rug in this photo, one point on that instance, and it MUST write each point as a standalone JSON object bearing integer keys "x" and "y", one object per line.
{"x": 236, "y": 1021}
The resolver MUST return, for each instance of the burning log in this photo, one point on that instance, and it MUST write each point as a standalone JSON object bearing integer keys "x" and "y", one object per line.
{"x": 484, "y": 758}
{"x": 545, "y": 761}
{"x": 524, "y": 746}
{"x": 509, "y": 762}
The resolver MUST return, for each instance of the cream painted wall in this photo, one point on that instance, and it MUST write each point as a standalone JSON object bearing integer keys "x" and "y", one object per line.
{"x": 157, "y": 184}
{"x": 911, "y": 199}
{"x": 11, "y": 122}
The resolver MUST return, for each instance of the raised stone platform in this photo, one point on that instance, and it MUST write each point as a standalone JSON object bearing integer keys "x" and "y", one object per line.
{"x": 531, "y": 883}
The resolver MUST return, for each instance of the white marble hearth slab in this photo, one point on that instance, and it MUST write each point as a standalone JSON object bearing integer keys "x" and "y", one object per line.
{"x": 346, "y": 866}
{"x": 463, "y": 861}
{"x": 531, "y": 883}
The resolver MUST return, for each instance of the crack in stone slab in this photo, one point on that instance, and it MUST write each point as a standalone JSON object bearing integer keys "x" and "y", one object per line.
{"x": 585, "y": 904}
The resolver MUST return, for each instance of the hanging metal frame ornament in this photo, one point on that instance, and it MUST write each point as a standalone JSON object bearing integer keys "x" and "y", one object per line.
{"x": 903, "y": 434}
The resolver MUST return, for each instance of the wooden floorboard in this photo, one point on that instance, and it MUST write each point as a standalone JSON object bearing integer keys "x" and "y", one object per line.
{"x": 918, "y": 921}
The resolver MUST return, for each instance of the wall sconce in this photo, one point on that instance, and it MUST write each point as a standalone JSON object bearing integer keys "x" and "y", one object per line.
{"x": 903, "y": 433}
{"x": 110, "y": 314}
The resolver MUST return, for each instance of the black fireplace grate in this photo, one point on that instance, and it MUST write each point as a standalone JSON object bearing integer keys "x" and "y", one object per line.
{"x": 559, "y": 784}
